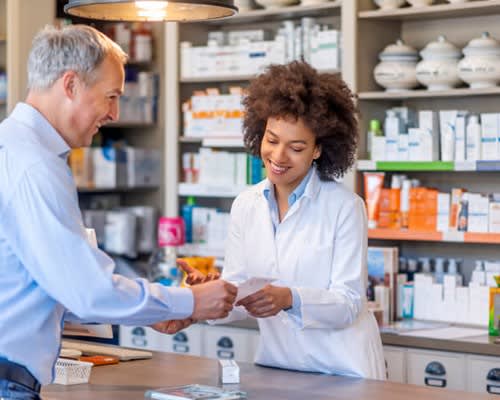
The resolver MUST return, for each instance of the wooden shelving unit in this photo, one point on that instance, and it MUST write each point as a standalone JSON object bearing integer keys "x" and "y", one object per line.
{"x": 220, "y": 142}
{"x": 430, "y": 166}
{"x": 201, "y": 190}
{"x": 282, "y": 13}
{"x": 424, "y": 94}
{"x": 435, "y": 11}
{"x": 418, "y": 26}
{"x": 117, "y": 189}
{"x": 457, "y": 237}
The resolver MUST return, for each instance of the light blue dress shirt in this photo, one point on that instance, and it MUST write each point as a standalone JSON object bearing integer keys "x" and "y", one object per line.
{"x": 48, "y": 271}
{"x": 275, "y": 219}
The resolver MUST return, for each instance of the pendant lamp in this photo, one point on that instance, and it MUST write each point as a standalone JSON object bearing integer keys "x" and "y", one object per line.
{"x": 151, "y": 10}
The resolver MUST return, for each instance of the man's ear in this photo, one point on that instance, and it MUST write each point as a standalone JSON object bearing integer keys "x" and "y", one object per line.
{"x": 71, "y": 83}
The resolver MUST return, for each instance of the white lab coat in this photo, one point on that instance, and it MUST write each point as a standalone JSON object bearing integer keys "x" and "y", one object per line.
{"x": 320, "y": 249}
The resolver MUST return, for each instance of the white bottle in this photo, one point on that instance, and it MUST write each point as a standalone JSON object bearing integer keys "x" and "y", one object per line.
{"x": 473, "y": 139}
{"x": 479, "y": 275}
{"x": 439, "y": 270}
{"x": 453, "y": 271}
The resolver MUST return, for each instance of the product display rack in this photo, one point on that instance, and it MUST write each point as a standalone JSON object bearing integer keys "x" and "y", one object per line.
{"x": 427, "y": 94}
{"x": 430, "y": 166}
{"x": 417, "y": 27}
{"x": 435, "y": 11}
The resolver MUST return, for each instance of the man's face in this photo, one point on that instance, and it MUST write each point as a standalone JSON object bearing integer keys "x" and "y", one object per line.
{"x": 97, "y": 103}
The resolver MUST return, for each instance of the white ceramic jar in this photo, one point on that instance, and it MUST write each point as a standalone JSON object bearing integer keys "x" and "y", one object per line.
{"x": 420, "y": 3}
{"x": 396, "y": 70}
{"x": 273, "y": 4}
{"x": 438, "y": 69}
{"x": 480, "y": 67}
{"x": 389, "y": 4}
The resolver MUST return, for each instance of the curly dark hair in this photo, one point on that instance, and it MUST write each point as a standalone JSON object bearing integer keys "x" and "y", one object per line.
{"x": 321, "y": 100}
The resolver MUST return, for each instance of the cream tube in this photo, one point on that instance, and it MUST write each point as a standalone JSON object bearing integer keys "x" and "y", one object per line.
{"x": 374, "y": 181}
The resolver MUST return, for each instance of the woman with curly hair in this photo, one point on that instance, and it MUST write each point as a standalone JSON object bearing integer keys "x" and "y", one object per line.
{"x": 303, "y": 228}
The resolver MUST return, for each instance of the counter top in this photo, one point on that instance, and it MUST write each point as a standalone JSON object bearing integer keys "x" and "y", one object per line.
{"x": 129, "y": 380}
{"x": 482, "y": 344}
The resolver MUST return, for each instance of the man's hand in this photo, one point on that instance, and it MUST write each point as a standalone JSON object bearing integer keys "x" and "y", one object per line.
{"x": 195, "y": 277}
{"x": 172, "y": 326}
{"x": 268, "y": 301}
{"x": 213, "y": 300}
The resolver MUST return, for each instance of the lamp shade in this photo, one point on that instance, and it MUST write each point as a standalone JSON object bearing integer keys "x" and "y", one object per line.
{"x": 151, "y": 10}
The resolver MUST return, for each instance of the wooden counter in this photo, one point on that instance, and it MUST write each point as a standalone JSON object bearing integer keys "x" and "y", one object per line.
{"x": 129, "y": 380}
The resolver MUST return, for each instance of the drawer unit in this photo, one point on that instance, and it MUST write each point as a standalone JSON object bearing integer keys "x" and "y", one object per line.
{"x": 436, "y": 369}
{"x": 141, "y": 337}
{"x": 227, "y": 343}
{"x": 187, "y": 341}
{"x": 395, "y": 362}
{"x": 483, "y": 374}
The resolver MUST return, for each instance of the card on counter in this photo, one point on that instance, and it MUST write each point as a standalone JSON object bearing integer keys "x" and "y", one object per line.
{"x": 194, "y": 391}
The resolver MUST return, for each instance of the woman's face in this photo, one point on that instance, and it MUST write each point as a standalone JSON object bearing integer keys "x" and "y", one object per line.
{"x": 288, "y": 149}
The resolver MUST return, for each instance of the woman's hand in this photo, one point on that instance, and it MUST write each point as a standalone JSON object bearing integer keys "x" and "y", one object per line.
{"x": 268, "y": 301}
{"x": 195, "y": 277}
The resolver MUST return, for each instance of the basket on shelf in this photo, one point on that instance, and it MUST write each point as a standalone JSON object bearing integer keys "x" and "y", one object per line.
{"x": 72, "y": 372}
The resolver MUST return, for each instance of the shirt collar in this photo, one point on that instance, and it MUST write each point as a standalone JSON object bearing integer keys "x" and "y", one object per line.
{"x": 303, "y": 189}
{"x": 34, "y": 119}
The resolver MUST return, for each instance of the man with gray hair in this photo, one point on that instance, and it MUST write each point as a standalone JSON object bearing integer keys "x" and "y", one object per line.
{"x": 48, "y": 271}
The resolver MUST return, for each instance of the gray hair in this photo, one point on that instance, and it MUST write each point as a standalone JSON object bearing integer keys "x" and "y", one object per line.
{"x": 78, "y": 48}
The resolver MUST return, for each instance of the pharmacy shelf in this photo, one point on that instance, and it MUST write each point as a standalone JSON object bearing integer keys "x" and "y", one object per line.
{"x": 282, "y": 13}
{"x": 454, "y": 237}
{"x": 436, "y": 11}
{"x": 218, "y": 78}
{"x": 424, "y": 94}
{"x": 219, "y": 142}
{"x": 429, "y": 166}
{"x": 200, "y": 249}
{"x": 129, "y": 124}
{"x": 235, "y": 78}
{"x": 116, "y": 189}
{"x": 202, "y": 190}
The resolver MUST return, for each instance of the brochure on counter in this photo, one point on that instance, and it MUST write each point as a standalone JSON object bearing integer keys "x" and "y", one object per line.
{"x": 194, "y": 391}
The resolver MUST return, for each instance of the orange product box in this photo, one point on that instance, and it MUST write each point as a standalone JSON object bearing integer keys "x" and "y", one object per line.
{"x": 389, "y": 220}
{"x": 422, "y": 222}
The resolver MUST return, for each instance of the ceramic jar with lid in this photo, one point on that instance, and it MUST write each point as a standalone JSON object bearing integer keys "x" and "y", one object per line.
{"x": 438, "y": 69}
{"x": 420, "y": 3}
{"x": 389, "y": 4}
{"x": 480, "y": 67}
{"x": 396, "y": 70}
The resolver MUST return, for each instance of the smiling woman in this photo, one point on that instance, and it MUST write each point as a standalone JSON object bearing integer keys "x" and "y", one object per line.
{"x": 303, "y": 229}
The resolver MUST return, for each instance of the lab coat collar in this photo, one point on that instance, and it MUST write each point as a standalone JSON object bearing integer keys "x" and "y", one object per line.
{"x": 311, "y": 189}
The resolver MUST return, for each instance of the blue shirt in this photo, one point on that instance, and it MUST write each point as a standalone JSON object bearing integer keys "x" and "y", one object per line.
{"x": 275, "y": 219}
{"x": 48, "y": 270}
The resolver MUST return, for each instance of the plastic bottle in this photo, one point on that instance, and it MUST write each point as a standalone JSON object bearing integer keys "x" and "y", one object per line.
{"x": 425, "y": 263}
{"x": 374, "y": 130}
{"x": 439, "y": 270}
{"x": 412, "y": 269}
{"x": 479, "y": 275}
{"x": 187, "y": 215}
{"x": 163, "y": 262}
{"x": 473, "y": 139}
{"x": 453, "y": 270}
